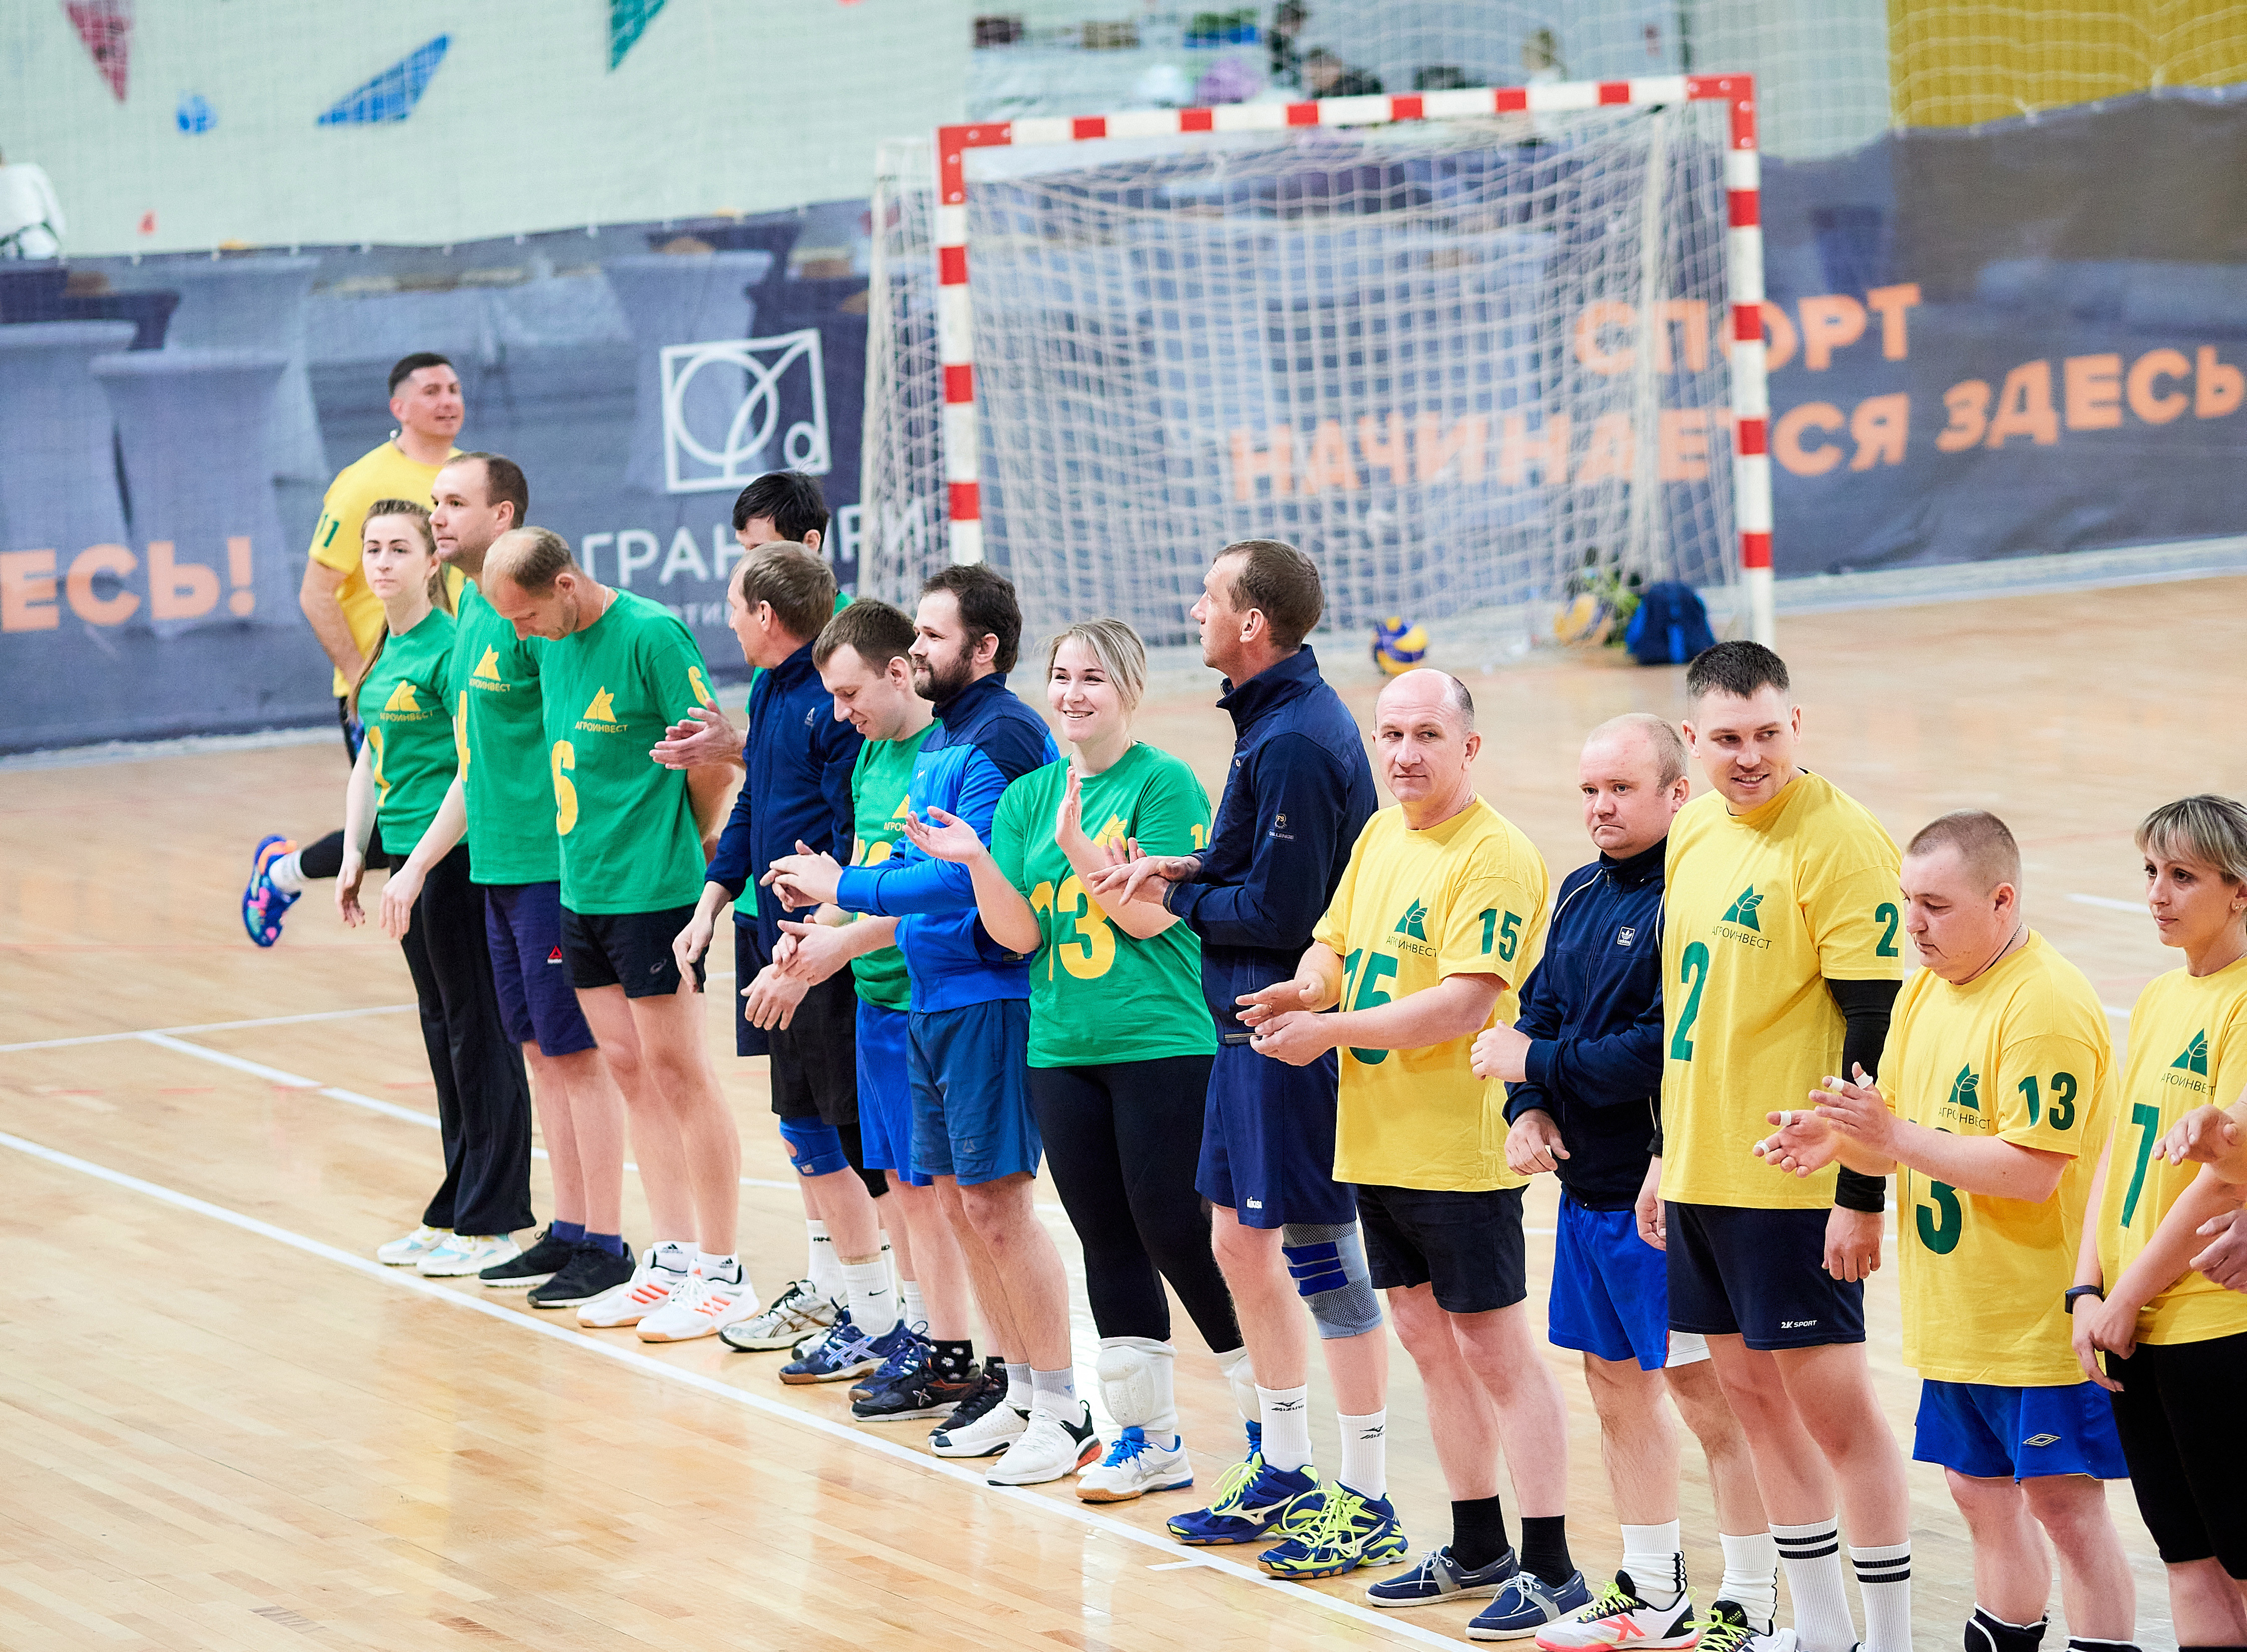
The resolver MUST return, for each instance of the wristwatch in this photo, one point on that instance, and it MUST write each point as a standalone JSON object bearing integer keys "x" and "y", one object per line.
{"x": 2076, "y": 1293}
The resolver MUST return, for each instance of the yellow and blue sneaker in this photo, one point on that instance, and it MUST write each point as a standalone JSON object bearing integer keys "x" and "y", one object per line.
{"x": 264, "y": 904}
{"x": 1253, "y": 1501}
{"x": 1352, "y": 1530}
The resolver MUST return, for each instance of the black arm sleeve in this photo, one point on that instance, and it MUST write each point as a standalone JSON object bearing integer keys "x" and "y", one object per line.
{"x": 1865, "y": 1006}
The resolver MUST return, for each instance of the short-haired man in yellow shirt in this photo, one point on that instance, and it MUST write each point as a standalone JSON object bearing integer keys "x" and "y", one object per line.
{"x": 1781, "y": 958}
{"x": 1998, "y": 1088}
{"x": 1438, "y": 919}
{"x": 424, "y": 400}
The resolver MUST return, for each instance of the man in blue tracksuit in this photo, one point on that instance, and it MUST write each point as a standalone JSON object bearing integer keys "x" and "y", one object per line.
{"x": 1583, "y": 1065}
{"x": 1298, "y": 792}
{"x": 972, "y": 1128}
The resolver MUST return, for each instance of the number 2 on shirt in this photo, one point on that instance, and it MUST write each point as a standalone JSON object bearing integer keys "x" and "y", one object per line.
{"x": 1378, "y": 966}
{"x": 1692, "y": 970}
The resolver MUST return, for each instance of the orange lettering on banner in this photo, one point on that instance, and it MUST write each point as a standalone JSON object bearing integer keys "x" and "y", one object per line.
{"x": 1880, "y": 426}
{"x": 1388, "y": 455}
{"x": 1466, "y": 443}
{"x": 1691, "y": 314}
{"x": 1596, "y": 319}
{"x": 88, "y": 565}
{"x": 27, "y": 590}
{"x": 179, "y": 590}
{"x": 1276, "y": 463}
{"x": 1829, "y": 324}
{"x": 1327, "y": 463}
{"x": 2091, "y": 392}
{"x": 2154, "y": 365}
{"x": 1786, "y": 438}
{"x": 1517, "y": 451}
{"x": 1968, "y": 405}
{"x": 2218, "y": 386}
{"x": 1611, "y": 450}
{"x": 1889, "y": 304}
{"x": 2025, "y": 406}
{"x": 1681, "y": 452}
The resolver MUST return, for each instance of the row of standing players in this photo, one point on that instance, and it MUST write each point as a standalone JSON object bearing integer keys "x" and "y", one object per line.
{"x": 1007, "y": 874}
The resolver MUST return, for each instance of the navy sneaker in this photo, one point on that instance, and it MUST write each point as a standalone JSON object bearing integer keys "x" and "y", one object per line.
{"x": 1526, "y": 1604}
{"x": 913, "y": 1351}
{"x": 1441, "y": 1578}
{"x": 844, "y": 1352}
{"x": 1253, "y": 1501}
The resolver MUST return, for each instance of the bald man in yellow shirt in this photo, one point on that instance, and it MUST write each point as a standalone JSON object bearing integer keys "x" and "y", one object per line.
{"x": 424, "y": 400}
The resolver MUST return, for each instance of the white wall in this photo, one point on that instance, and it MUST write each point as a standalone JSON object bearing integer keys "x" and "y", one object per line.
{"x": 723, "y": 105}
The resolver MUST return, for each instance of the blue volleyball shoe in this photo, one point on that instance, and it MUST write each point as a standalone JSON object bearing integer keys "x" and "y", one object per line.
{"x": 264, "y": 905}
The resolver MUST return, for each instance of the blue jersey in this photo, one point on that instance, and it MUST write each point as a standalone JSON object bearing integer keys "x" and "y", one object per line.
{"x": 984, "y": 739}
{"x": 1299, "y": 792}
{"x": 800, "y": 758}
{"x": 1592, "y": 1009}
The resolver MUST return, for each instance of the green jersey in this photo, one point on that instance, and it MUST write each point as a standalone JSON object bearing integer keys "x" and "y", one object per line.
{"x": 409, "y": 734}
{"x": 878, "y": 783}
{"x": 629, "y": 840}
{"x": 503, "y": 739}
{"x": 1096, "y": 994}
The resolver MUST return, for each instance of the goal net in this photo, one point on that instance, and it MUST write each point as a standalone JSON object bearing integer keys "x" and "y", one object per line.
{"x": 1463, "y": 363}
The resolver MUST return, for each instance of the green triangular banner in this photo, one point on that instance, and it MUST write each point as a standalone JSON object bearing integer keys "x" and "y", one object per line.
{"x": 628, "y": 20}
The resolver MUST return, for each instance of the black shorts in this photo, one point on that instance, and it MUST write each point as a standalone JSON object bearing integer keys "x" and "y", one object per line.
{"x": 2177, "y": 1415}
{"x": 815, "y": 1057}
{"x": 1759, "y": 1275}
{"x": 632, "y": 949}
{"x": 1467, "y": 1244}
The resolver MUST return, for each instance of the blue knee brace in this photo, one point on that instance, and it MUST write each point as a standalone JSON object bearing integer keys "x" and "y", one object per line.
{"x": 814, "y": 1149}
{"x": 1328, "y": 1264}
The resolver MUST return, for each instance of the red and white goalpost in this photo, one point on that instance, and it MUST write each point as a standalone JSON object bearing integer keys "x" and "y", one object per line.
{"x": 1449, "y": 448}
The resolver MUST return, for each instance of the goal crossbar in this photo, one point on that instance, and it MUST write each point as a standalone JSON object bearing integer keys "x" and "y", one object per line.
{"x": 1743, "y": 256}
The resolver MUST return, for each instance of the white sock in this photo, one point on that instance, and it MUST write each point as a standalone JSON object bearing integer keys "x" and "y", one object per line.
{"x": 1240, "y": 1376}
{"x": 824, "y": 1269}
{"x": 1057, "y": 1390}
{"x": 676, "y": 1255}
{"x": 1286, "y": 1413}
{"x": 873, "y": 1296}
{"x": 916, "y": 1311}
{"x": 287, "y": 873}
{"x": 1884, "y": 1583}
{"x": 1752, "y": 1577}
{"x": 722, "y": 1270}
{"x": 1657, "y": 1565}
{"x": 1365, "y": 1453}
{"x": 1812, "y": 1556}
{"x": 1021, "y": 1393}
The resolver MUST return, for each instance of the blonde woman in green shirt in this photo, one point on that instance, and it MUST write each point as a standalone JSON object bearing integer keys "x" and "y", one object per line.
{"x": 1121, "y": 1039}
{"x": 404, "y": 769}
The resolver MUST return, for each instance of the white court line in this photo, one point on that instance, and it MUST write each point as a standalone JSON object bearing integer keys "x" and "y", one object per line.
{"x": 211, "y": 1027}
{"x": 641, "y": 1364}
{"x": 2110, "y": 904}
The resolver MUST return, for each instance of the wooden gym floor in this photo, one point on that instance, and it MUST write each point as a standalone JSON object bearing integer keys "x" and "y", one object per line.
{"x": 225, "y": 1426}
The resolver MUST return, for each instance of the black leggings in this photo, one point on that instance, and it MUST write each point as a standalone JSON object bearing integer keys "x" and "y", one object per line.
{"x": 2178, "y": 1416}
{"x": 483, "y": 1099}
{"x": 1122, "y": 1141}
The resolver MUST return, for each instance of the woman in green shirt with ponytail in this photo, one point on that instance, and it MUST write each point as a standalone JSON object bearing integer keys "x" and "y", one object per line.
{"x": 404, "y": 768}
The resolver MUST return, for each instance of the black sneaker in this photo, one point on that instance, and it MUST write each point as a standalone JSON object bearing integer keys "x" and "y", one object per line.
{"x": 590, "y": 1271}
{"x": 930, "y": 1388}
{"x": 547, "y": 1257}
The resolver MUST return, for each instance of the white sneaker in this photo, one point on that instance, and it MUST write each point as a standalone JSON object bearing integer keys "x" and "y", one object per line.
{"x": 798, "y": 1314}
{"x": 1133, "y": 1466}
{"x": 988, "y": 1426}
{"x": 462, "y": 1254}
{"x": 405, "y": 1252}
{"x": 699, "y": 1308}
{"x": 648, "y": 1289}
{"x": 1619, "y": 1616}
{"x": 1051, "y": 1447}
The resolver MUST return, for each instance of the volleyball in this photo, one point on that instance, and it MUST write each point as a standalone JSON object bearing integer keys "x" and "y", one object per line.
{"x": 1398, "y": 645}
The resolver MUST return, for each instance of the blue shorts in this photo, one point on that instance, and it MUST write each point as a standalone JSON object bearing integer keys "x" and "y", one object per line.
{"x": 1992, "y": 1432}
{"x": 1267, "y": 1142}
{"x": 1760, "y": 1275}
{"x": 885, "y": 1108}
{"x": 1611, "y": 1289}
{"x": 522, "y": 922}
{"x": 970, "y": 1092}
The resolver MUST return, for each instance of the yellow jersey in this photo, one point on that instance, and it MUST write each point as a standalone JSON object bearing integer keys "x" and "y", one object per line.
{"x": 383, "y": 474}
{"x": 2188, "y": 1050}
{"x": 2020, "y": 1052}
{"x": 1760, "y": 911}
{"x": 1464, "y": 898}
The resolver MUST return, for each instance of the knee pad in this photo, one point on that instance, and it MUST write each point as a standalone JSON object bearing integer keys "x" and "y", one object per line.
{"x": 1240, "y": 1377}
{"x": 1135, "y": 1385}
{"x": 814, "y": 1149}
{"x": 1328, "y": 1264}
